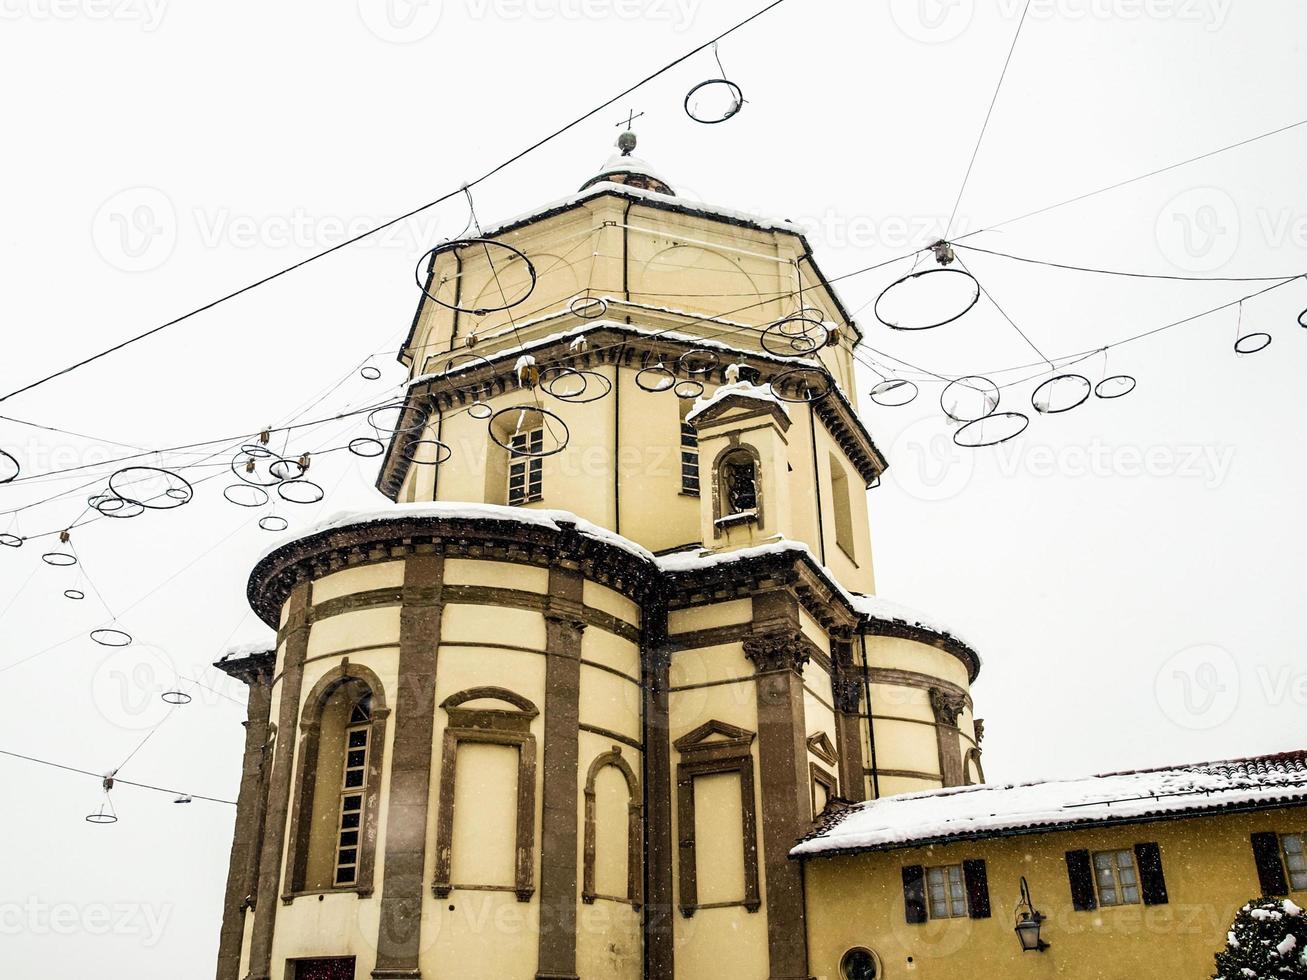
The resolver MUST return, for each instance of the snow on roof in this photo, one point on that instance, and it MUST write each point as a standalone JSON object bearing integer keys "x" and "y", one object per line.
{"x": 870, "y": 606}
{"x": 964, "y": 812}
{"x": 552, "y": 519}
{"x": 742, "y": 389}
{"x": 653, "y": 197}
{"x": 242, "y": 651}
{"x": 618, "y": 164}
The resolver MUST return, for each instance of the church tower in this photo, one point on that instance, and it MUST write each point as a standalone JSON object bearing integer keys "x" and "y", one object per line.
{"x": 564, "y": 707}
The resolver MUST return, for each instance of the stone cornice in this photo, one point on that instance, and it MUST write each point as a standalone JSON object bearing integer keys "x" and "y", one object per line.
{"x": 611, "y": 344}
{"x": 797, "y": 571}
{"x": 369, "y": 542}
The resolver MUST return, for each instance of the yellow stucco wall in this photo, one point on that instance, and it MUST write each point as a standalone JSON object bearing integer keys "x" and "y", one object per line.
{"x": 857, "y": 900}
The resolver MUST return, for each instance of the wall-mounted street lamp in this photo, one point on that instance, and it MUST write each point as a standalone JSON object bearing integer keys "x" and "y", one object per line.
{"x": 1029, "y": 921}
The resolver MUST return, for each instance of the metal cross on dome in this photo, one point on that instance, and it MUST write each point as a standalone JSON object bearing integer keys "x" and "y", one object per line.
{"x": 626, "y": 142}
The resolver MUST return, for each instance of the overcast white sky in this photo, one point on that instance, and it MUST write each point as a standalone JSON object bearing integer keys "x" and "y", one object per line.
{"x": 1130, "y": 570}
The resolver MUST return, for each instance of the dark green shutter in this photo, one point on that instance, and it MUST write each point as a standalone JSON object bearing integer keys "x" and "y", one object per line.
{"x": 1152, "y": 883}
{"x": 977, "y": 881}
{"x": 1081, "y": 875}
{"x": 1270, "y": 869}
{"x": 914, "y": 893}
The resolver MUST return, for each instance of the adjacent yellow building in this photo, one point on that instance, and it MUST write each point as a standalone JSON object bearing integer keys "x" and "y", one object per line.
{"x": 565, "y": 707}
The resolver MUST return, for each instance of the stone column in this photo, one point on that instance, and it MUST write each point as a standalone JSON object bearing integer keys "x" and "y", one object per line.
{"x": 242, "y": 868}
{"x": 846, "y": 695}
{"x": 947, "y": 705}
{"x": 296, "y": 639}
{"x": 399, "y": 933}
{"x": 779, "y": 651}
{"x": 564, "y": 624}
{"x": 659, "y": 917}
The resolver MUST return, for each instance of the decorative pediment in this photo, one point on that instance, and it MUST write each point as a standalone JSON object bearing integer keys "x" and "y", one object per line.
{"x": 820, "y": 745}
{"x": 714, "y": 734}
{"x": 740, "y": 408}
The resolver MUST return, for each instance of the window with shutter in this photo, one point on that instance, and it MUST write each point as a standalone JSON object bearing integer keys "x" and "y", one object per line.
{"x": 977, "y": 881}
{"x": 1270, "y": 867}
{"x": 914, "y": 893}
{"x": 1152, "y": 883}
{"x": 1080, "y": 873}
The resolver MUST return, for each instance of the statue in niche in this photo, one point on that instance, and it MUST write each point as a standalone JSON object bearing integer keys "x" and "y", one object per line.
{"x": 740, "y": 476}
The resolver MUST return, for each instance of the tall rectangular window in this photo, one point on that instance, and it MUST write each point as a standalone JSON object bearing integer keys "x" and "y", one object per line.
{"x": 946, "y": 891}
{"x": 689, "y": 459}
{"x": 843, "y": 508}
{"x": 1116, "y": 877}
{"x": 350, "y": 824}
{"x": 525, "y": 468}
{"x": 1295, "y": 860}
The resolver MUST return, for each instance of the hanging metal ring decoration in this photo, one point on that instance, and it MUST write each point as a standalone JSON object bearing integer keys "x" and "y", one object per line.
{"x": 381, "y": 423}
{"x": 175, "y": 697}
{"x": 245, "y": 495}
{"x": 285, "y": 468}
{"x": 698, "y": 362}
{"x": 810, "y": 384}
{"x": 588, "y": 307}
{"x": 1045, "y": 400}
{"x": 429, "y": 258}
{"x": 75, "y": 594}
{"x": 1251, "y": 343}
{"x": 975, "y": 298}
{"x": 562, "y": 383}
{"x": 109, "y": 504}
{"x": 688, "y": 388}
{"x": 794, "y": 336}
{"x": 370, "y": 372}
{"x": 457, "y": 363}
{"x": 1302, "y": 318}
{"x": 59, "y": 559}
{"x": 177, "y": 490}
{"x": 7, "y": 463}
{"x": 413, "y": 451}
{"x": 366, "y": 446}
{"x": 973, "y": 435}
{"x": 273, "y": 522}
{"x": 722, "y": 86}
{"x": 300, "y": 491}
{"x": 893, "y": 392}
{"x": 101, "y": 817}
{"x": 480, "y": 410}
{"x": 109, "y": 637}
{"x": 655, "y": 379}
{"x": 10, "y": 540}
{"x": 1116, "y": 386}
{"x": 951, "y": 398}
{"x": 542, "y": 418}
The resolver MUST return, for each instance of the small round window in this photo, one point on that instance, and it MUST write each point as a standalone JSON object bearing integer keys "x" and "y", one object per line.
{"x": 859, "y": 964}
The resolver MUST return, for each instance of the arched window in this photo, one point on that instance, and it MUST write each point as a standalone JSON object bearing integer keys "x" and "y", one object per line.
{"x": 601, "y": 854}
{"x": 333, "y": 828}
